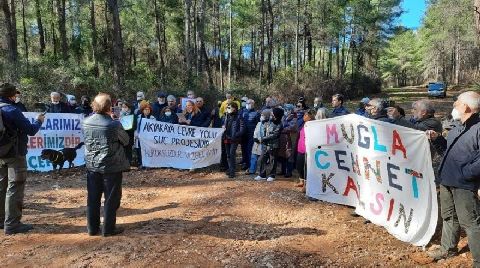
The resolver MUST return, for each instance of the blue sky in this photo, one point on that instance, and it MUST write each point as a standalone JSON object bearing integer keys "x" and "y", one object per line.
{"x": 414, "y": 11}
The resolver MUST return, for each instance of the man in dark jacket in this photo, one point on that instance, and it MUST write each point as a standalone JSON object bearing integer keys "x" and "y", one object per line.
{"x": 337, "y": 104}
{"x": 13, "y": 165}
{"x": 234, "y": 131}
{"x": 105, "y": 161}
{"x": 424, "y": 116}
{"x": 159, "y": 104}
{"x": 205, "y": 114}
{"x": 251, "y": 117}
{"x": 84, "y": 107}
{"x": 18, "y": 102}
{"x": 377, "y": 110}
{"x": 459, "y": 178}
{"x": 56, "y": 105}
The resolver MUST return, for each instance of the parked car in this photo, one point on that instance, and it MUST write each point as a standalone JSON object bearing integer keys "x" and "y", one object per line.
{"x": 437, "y": 89}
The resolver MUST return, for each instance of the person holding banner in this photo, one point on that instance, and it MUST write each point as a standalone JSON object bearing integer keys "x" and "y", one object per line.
{"x": 191, "y": 116}
{"x": 105, "y": 161}
{"x": 13, "y": 163}
{"x": 459, "y": 178}
{"x": 337, "y": 104}
{"x": 145, "y": 113}
{"x": 127, "y": 112}
{"x": 302, "y": 149}
{"x": 167, "y": 116}
{"x": 204, "y": 113}
{"x": 234, "y": 131}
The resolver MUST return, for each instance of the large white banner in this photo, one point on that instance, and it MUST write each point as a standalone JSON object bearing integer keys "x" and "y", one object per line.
{"x": 178, "y": 146}
{"x": 383, "y": 170}
{"x": 59, "y": 131}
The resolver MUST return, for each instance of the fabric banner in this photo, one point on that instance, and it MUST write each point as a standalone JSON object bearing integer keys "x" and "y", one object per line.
{"x": 178, "y": 146}
{"x": 383, "y": 170}
{"x": 59, "y": 131}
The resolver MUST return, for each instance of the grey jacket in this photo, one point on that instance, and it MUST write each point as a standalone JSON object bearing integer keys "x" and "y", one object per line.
{"x": 104, "y": 141}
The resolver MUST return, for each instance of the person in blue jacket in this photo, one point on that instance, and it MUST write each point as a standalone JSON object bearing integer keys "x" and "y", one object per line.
{"x": 13, "y": 164}
{"x": 337, "y": 104}
{"x": 250, "y": 117}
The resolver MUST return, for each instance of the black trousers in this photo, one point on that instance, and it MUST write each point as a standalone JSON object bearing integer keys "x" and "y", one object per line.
{"x": 231, "y": 149}
{"x": 110, "y": 185}
{"x": 301, "y": 165}
{"x": 268, "y": 163}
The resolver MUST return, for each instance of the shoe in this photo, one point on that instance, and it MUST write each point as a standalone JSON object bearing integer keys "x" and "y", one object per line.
{"x": 93, "y": 233}
{"x": 288, "y": 175}
{"x": 270, "y": 179}
{"x": 366, "y": 222}
{"x": 313, "y": 199}
{"x": 259, "y": 178}
{"x": 21, "y": 228}
{"x": 231, "y": 176}
{"x": 354, "y": 214}
{"x": 439, "y": 254}
{"x": 117, "y": 231}
{"x": 247, "y": 172}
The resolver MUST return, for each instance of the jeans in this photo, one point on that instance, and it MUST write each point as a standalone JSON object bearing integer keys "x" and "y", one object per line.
{"x": 13, "y": 174}
{"x": 460, "y": 208}
{"x": 253, "y": 163}
{"x": 247, "y": 145}
{"x": 231, "y": 149}
{"x": 110, "y": 185}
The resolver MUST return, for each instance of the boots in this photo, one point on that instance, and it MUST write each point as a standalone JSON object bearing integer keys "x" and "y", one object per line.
{"x": 301, "y": 183}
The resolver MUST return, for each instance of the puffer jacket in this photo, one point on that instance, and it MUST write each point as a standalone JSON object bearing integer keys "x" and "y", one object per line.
{"x": 234, "y": 128}
{"x": 271, "y": 135}
{"x": 104, "y": 141}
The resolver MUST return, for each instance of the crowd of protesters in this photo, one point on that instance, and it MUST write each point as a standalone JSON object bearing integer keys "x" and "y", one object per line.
{"x": 272, "y": 141}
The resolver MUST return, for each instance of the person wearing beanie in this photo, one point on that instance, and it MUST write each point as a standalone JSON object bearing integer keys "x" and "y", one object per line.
{"x": 13, "y": 163}
{"x": 234, "y": 131}
{"x": 159, "y": 104}
{"x": 270, "y": 138}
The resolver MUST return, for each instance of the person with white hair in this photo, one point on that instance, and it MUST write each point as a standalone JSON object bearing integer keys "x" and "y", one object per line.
{"x": 424, "y": 116}
{"x": 56, "y": 105}
{"x": 459, "y": 178}
{"x": 136, "y": 104}
{"x": 172, "y": 104}
{"x": 321, "y": 114}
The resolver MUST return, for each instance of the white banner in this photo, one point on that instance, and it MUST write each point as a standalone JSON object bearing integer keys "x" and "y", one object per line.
{"x": 383, "y": 170}
{"x": 59, "y": 131}
{"x": 178, "y": 146}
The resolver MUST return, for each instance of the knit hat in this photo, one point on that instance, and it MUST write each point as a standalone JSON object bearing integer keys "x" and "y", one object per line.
{"x": 7, "y": 90}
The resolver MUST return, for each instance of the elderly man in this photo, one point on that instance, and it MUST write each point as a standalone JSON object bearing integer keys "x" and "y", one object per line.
{"x": 459, "y": 178}
{"x": 159, "y": 104}
{"x": 172, "y": 104}
{"x": 136, "y": 104}
{"x": 424, "y": 116}
{"x": 317, "y": 103}
{"x": 377, "y": 110}
{"x": 251, "y": 117}
{"x": 56, "y": 105}
{"x": 105, "y": 161}
{"x": 337, "y": 104}
{"x": 204, "y": 112}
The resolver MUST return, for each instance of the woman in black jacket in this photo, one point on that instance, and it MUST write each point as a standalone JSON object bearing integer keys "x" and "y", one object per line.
{"x": 167, "y": 116}
{"x": 192, "y": 115}
{"x": 234, "y": 131}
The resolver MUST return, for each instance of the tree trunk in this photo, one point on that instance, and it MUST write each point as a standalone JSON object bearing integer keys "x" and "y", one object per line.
{"x": 270, "y": 42}
{"x": 13, "y": 10}
{"x": 62, "y": 28}
{"x": 220, "y": 48}
{"x": 203, "y": 51}
{"x": 188, "y": 60}
{"x": 296, "y": 42}
{"x": 11, "y": 43}
{"x": 159, "y": 35}
{"x": 477, "y": 17}
{"x": 262, "y": 42}
{"x": 230, "y": 40}
{"x": 25, "y": 39}
{"x": 40, "y": 27}
{"x": 93, "y": 24}
{"x": 118, "y": 57}
{"x": 52, "y": 26}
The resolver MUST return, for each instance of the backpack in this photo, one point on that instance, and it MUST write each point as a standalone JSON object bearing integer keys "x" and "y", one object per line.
{"x": 6, "y": 140}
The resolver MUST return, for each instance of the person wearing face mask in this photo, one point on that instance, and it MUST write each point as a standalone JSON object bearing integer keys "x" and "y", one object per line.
{"x": 270, "y": 138}
{"x": 56, "y": 105}
{"x": 168, "y": 117}
{"x": 234, "y": 131}
{"x": 317, "y": 103}
{"x": 126, "y": 110}
{"x": 18, "y": 102}
{"x": 258, "y": 149}
{"x": 85, "y": 107}
{"x": 250, "y": 117}
{"x": 145, "y": 113}
{"x": 72, "y": 102}
{"x": 229, "y": 98}
{"x": 288, "y": 140}
{"x": 159, "y": 104}
{"x": 459, "y": 178}
{"x": 136, "y": 105}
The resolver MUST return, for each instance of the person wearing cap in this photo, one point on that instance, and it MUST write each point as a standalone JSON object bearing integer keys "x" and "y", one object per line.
{"x": 72, "y": 102}
{"x": 271, "y": 140}
{"x": 13, "y": 165}
{"x": 250, "y": 117}
{"x": 85, "y": 107}
{"x": 337, "y": 104}
{"x": 234, "y": 131}
{"x": 56, "y": 105}
{"x": 159, "y": 104}
{"x": 361, "y": 107}
{"x": 136, "y": 104}
{"x": 18, "y": 102}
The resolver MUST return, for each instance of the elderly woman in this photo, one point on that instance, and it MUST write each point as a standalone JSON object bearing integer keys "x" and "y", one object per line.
{"x": 167, "y": 116}
{"x": 191, "y": 116}
{"x": 145, "y": 113}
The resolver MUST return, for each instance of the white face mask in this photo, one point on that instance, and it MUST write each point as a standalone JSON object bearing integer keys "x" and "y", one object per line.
{"x": 17, "y": 99}
{"x": 229, "y": 110}
{"x": 161, "y": 101}
{"x": 73, "y": 102}
{"x": 168, "y": 113}
{"x": 55, "y": 102}
{"x": 140, "y": 97}
{"x": 249, "y": 106}
{"x": 262, "y": 118}
{"x": 456, "y": 114}
{"x": 244, "y": 104}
